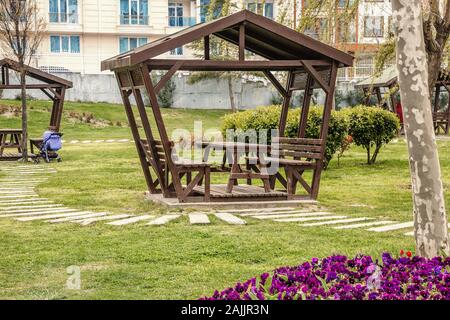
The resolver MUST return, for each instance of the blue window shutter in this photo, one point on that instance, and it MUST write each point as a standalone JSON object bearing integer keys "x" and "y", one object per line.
{"x": 75, "y": 44}
{"x": 53, "y": 10}
{"x": 269, "y": 10}
{"x": 123, "y": 44}
{"x": 55, "y": 44}
{"x": 133, "y": 43}
{"x": 64, "y": 43}
{"x": 142, "y": 41}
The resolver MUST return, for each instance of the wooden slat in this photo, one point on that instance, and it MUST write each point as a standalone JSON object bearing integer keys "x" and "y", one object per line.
{"x": 305, "y": 141}
{"x": 296, "y": 154}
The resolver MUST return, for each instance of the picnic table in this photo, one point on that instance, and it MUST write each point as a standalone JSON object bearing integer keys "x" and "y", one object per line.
{"x": 10, "y": 139}
{"x": 233, "y": 153}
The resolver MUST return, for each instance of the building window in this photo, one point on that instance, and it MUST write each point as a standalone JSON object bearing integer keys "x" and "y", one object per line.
{"x": 318, "y": 29}
{"x": 126, "y": 43}
{"x": 373, "y": 27}
{"x": 134, "y": 12}
{"x": 342, "y": 4}
{"x": 177, "y": 51}
{"x": 265, "y": 9}
{"x": 204, "y": 9}
{"x": 347, "y": 31}
{"x": 63, "y": 11}
{"x": 176, "y": 14}
{"x": 65, "y": 44}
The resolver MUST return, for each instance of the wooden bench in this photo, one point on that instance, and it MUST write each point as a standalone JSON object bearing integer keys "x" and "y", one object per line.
{"x": 157, "y": 159}
{"x": 295, "y": 155}
{"x": 10, "y": 139}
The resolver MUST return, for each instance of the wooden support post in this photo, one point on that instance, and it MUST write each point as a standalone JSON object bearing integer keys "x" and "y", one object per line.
{"x": 148, "y": 134}
{"x": 303, "y": 121}
{"x": 379, "y": 97}
{"x": 242, "y": 42}
{"x": 275, "y": 83}
{"x": 162, "y": 131}
{"x": 285, "y": 106}
{"x": 60, "y": 109}
{"x": 436, "y": 97}
{"x": 167, "y": 76}
{"x": 206, "y": 47}
{"x": 324, "y": 130}
{"x": 53, "y": 115}
{"x": 137, "y": 138}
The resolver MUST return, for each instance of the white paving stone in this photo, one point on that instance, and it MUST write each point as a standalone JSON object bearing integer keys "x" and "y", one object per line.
{"x": 40, "y": 206}
{"x": 164, "y": 219}
{"x": 25, "y": 201}
{"x": 84, "y": 216}
{"x": 52, "y": 216}
{"x": 29, "y": 210}
{"x": 294, "y": 215}
{"x": 37, "y": 213}
{"x": 338, "y": 221}
{"x": 257, "y": 213}
{"x": 13, "y": 192}
{"x": 259, "y": 210}
{"x": 309, "y": 219}
{"x": 130, "y": 220}
{"x": 362, "y": 225}
{"x": 229, "y": 218}
{"x": 85, "y": 222}
{"x": 411, "y": 233}
{"x": 198, "y": 218}
{"x": 393, "y": 227}
{"x": 18, "y": 196}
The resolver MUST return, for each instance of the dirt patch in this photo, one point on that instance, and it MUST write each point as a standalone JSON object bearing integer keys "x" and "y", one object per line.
{"x": 90, "y": 119}
{"x": 10, "y": 111}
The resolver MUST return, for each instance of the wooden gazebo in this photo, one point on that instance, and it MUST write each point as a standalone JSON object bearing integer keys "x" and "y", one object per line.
{"x": 309, "y": 65}
{"x": 387, "y": 81}
{"x": 52, "y": 86}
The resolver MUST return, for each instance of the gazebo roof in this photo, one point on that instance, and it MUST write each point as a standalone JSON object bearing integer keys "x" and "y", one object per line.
{"x": 263, "y": 37}
{"x": 389, "y": 77}
{"x": 37, "y": 74}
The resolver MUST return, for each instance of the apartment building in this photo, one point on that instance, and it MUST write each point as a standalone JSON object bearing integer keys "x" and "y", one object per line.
{"x": 82, "y": 33}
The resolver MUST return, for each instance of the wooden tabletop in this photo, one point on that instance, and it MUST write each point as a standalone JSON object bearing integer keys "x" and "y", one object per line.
{"x": 10, "y": 131}
{"x": 235, "y": 145}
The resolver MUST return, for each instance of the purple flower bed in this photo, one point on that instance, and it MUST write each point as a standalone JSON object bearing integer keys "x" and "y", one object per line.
{"x": 340, "y": 278}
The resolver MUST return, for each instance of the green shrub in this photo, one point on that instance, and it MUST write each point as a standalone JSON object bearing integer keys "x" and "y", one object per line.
{"x": 371, "y": 128}
{"x": 267, "y": 118}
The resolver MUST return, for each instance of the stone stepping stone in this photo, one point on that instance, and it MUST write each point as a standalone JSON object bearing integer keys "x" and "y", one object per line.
{"x": 260, "y": 210}
{"x": 85, "y": 222}
{"x": 310, "y": 219}
{"x": 164, "y": 219}
{"x": 339, "y": 221}
{"x": 130, "y": 220}
{"x": 229, "y": 218}
{"x": 9, "y": 192}
{"x": 41, "y": 207}
{"x": 411, "y": 233}
{"x": 198, "y": 218}
{"x": 14, "y": 211}
{"x": 362, "y": 225}
{"x": 52, "y": 216}
{"x": 38, "y": 213}
{"x": 294, "y": 215}
{"x": 25, "y": 201}
{"x": 85, "y": 216}
{"x": 257, "y": 213}
{"x": 21, "y": 188}
{"x": 18, "y": 196}
{"x": 393, "y": 227}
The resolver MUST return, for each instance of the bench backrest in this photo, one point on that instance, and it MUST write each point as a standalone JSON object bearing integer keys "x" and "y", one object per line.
{"x": 298, "y": 148}
{"x": 160, "y": 153}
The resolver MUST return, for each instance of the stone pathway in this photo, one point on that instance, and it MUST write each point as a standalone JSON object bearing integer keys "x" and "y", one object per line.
{"x": 19, "y": 201}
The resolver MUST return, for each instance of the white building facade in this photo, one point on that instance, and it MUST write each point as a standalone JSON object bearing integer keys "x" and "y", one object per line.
{"x": 82, "y": 33}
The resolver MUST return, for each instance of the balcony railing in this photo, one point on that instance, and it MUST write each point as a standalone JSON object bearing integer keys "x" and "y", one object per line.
{"x": 58, "y": 17}
{"x": 133, "y": 19}
{"x": 181, "y": 21}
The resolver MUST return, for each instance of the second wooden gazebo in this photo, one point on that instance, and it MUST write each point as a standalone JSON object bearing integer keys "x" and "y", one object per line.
{"x": 387, "y": 82}
{"x": 309, "y": 64}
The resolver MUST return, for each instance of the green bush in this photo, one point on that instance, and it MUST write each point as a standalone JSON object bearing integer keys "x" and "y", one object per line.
{"x": 266, "y": 118}
{"x": 371, "y": 128}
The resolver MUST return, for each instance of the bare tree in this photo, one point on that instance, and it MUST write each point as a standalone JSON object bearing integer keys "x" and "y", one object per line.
{"x": 21, "y": 31}
{"x": 430, "y": 220}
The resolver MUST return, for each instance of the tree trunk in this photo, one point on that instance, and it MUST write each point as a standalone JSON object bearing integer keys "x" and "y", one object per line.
{"x": 430, "y": 220}
{"x": 24, "y": 116}
{"x": 230, "y": 93}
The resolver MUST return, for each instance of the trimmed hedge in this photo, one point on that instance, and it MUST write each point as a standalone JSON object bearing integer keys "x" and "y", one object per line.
{"x": 371, "y": 128}
{"x": 266, "y": 118}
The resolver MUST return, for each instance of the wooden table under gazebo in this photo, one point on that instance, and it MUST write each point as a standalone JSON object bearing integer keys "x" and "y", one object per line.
{"x": 309, "y": 65}
{"x": 52, "y": 86}
{"x": 387, "y": 82}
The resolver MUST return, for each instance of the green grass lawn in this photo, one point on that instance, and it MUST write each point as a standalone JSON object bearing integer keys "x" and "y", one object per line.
{"x": 179, "y": 261}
